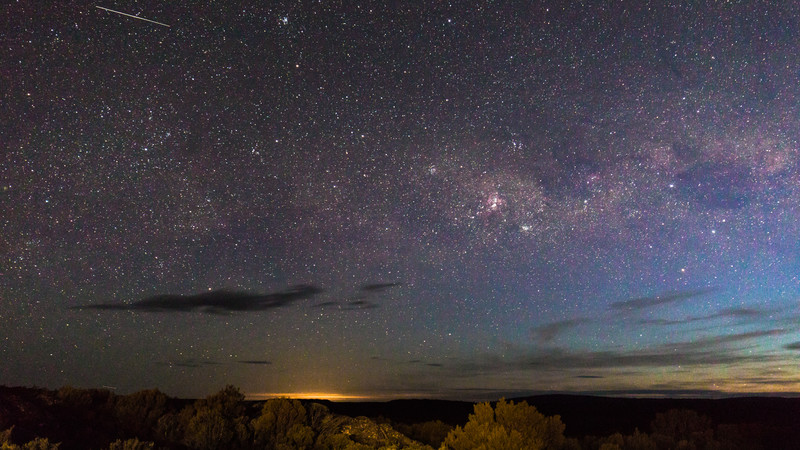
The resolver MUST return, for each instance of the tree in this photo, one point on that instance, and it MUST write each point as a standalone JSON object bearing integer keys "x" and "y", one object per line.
{"x": 282, "y": 425}
{"x": 228, "y": 401}
{"x": 683, "y": 429}
{"x": 338, "y": 442}
{"x": 432, "y": 432}
{"x": 131, "y": 444}
{"x": 41, "y": 444}
{"x": 5, "y": 440}
{"x": 217, "y": 422}
{"x": 172, "y": 426}
{"x": 137, "y": 414}
{"x": 38, "y": 443}
{"x": 507, "y": 426}
{"x": 318, "y": 414}
{"x": 635, "y": 441}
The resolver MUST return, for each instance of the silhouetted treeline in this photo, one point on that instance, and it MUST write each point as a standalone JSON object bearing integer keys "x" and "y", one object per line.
{"x": 98, "y": 419}
{"x": 72, "y": 418}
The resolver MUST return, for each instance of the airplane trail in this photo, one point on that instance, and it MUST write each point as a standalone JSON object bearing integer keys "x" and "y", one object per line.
{"x": 131, "y": 15}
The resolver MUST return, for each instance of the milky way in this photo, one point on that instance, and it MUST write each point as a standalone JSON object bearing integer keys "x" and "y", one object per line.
{"x": 429, "y": 199}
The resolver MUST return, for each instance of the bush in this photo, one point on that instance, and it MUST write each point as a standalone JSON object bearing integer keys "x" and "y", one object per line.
{"x": 683, "y": 428}
{"x": 36, "y": 444}
{"x": 432, "y": 432}
{"x": 507, "y": 426}
{"x": 40, "y": 444}
{"x": 137, "y": 414}
{"x": 131, "y": 444}
{"x": 218, "y": 422}
{"x": 282, "y": 424}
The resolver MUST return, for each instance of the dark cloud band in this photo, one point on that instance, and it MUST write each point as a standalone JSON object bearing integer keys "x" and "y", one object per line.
{"x": 214, "y": 302}
{"x": 658, "y": 300}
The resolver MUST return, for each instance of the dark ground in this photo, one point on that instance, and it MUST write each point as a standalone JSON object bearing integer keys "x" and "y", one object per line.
{"x": 774, "y": 422}
{"x": 775, "y": 418}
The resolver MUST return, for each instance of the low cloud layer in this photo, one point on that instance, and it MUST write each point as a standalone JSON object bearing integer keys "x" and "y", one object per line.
{"x": 712, "y": 350}
{"x": 378, "y": 286}
{"x": 658, "y": 300}
{"x": 356, "y": 304}
{"x": 220, "y": 301}
{"x": 190, "y": 363}
{"x": 792, "y": 346}
{"x": 547, "y": 333}
{"x": 225, "y": 301}
{"x": 727, "y": 313}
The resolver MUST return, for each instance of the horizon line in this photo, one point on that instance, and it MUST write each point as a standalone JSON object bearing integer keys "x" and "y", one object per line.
{"x": 508, "y": 395}
{"x": 477, "y": 395}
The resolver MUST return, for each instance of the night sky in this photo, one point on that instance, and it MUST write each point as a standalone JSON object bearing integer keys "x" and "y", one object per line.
{"x": 428, "y": 199}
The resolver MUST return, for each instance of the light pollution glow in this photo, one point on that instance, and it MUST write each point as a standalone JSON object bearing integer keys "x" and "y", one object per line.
{"x": 332, "y": 396}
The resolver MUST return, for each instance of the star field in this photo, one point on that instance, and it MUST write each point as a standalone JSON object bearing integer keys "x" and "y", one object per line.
{"x": 428, "y": 199}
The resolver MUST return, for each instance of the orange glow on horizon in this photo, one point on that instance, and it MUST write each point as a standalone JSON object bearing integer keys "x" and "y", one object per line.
{"x": 332, "y": 396}
{"x": 339, "y": 397}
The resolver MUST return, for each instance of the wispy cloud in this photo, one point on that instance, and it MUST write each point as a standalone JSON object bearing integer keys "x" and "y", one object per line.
{"x": 327, "y": 303}
{"x": 214, "y": 302}
{"x": 658, "y": 300}
{"x": 712, "y": 350}
{"x": 189, "y": 363}
{"x": 192, "y": 363}
{"x": 427, "y": 364}
{"x": 359, "y": 303}
{"x": 226, "y": 301}
{"x": 378, "y": 286}
{"x": 792, "y": 346}
{"x": 770, "y": 381}
{"x": 727, "y": 313}
{"x": 714, "y": 342}
{"x": 547, "y": 333}
{"x": 672, "y": 391}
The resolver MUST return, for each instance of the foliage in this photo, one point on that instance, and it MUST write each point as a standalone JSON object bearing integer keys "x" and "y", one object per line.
{"x": 318, "y": 414}
{"x": 635, "y": 441}
{"x": 674, "y": 429}
{"x": 432, "y": 432}
{"x": 208, "y": 429}
{"x": 683, "y": 429}
{"x": 40, "y": 444}
{"x": 228, "y": 401}
{"x": 97, "y": 401}
{"x": 217, "y": 422}
{"x": 5, "y": 439}
{"x": 149, "y": 419}
{"x": 172, "y": 426}
{"x": 79, "y": 407}
{"x": 131, "y": 444}
{"x": 137, "y": 414}
{"x": 36, "y": 444}
{"x": 282, "y": 425}
{"x": 338, "y": 442}
{"x": 507, "y": 426}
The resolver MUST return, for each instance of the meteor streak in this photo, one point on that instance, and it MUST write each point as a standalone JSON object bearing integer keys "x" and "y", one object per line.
{"x": 131, "y": 15}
